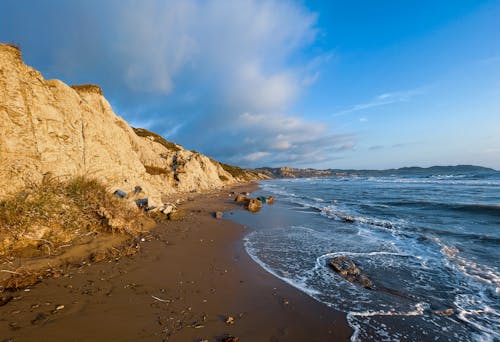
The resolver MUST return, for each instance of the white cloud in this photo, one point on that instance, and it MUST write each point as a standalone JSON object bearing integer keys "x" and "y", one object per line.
{"x": 310, "y": 79}
{"x": 256, "y": 156}
{"x": 188, "y": 69}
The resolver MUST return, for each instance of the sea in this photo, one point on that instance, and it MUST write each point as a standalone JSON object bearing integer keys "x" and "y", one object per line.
{"x": 429, "y": 242}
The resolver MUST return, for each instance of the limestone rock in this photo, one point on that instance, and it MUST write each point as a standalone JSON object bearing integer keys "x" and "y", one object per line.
{"x": 241, "y": 198}
{"x": 254, "y": 205}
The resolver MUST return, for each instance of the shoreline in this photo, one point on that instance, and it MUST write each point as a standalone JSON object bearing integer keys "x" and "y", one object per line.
{"x": 187, "y": 279}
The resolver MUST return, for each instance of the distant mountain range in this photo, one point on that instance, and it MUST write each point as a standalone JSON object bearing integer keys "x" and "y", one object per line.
{"x": 289, "y": 172}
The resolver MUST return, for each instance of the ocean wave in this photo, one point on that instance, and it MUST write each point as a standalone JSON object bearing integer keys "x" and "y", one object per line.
{"x": 471, "y": 269}
{"x": 439, "y": 181}
{"x": 479, "y": 208}
{"x": 299, "y": 284}
{"x": 333, "y": 212}
{"x": 480, "y": 308}
{"x": 400, "y": 254}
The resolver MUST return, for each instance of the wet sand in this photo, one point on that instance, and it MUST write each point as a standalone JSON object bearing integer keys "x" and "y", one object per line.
{"x": 187, "y": 278}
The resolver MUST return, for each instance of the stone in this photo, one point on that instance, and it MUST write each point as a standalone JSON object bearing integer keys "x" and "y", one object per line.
{"x": 229, "y": 338}
{"x": 262, "y": 199}
{"x": 168, "y": 209}
{"x": 350, "y": 271}
{"x": 241, "y": 198}
{"x": 349, "y": 219}
{"x": 5, "y": 299}
{"x": 229, "y": 320}
{"x": 218, "y": 214}
{"x": 364, "y": 281}
{"x": 40, "y": 317}
{"x": 447, "y": 312}
{"x": 270, "y": 200}
{"x": 254, "y": 205}
{"x": 142, "y": 203}
{"x": 120, "y": 193}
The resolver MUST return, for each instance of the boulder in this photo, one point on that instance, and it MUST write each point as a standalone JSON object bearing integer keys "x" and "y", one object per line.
{"x": 254, "y": 205}
{"x": 347, "y": 269}
{"x": 119, "y": 193}
{"x": 241, "y": 198}
{"x": 365, "y": 282}
{"x": 270, "y": 200}
{"x": 168, "y": 208}
{"x": 142, "y": 203}
{"x": 447, "y": 312}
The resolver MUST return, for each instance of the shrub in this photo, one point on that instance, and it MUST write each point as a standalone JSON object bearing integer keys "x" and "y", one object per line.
{"x": 157, "y": 138}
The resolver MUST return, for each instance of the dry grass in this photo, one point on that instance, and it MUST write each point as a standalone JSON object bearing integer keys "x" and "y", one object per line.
{"x": 238, "y": 172}
{"x": 156, "y": 138}
{"x": 53, "y": 213}
{"x": 88, "y": 88}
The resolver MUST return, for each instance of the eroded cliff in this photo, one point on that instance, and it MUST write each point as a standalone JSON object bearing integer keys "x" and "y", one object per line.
{"x": 48, "y": 127}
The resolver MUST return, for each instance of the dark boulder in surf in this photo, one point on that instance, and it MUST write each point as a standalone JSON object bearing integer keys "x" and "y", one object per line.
{"x": 349, "y": 219}
{"x": 347, "y": 269}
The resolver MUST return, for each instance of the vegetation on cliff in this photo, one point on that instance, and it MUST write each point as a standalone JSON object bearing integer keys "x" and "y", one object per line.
{"x": 156, "y": 138}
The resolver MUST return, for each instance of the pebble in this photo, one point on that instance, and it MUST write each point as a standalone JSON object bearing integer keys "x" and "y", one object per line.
{"x": 59, "y": 307}
{"x": 229, "y": 320}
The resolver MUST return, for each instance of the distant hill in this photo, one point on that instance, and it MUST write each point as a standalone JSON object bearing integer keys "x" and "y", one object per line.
{"x": 289, "y": 172}
{"x": 415, "y": 170}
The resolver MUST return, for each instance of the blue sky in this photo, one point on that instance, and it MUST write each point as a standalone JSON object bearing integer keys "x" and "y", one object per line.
{"x": 341, "y": 84}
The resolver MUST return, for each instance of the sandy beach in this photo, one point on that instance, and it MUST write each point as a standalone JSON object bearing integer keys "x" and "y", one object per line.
{"x": 187, "y": 279}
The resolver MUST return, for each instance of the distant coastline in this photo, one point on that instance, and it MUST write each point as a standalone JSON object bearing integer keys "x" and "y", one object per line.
{"x": 289, "y": 172}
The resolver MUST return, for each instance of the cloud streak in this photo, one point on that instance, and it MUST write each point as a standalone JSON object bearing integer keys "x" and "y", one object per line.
{"x": 383, "y": 100}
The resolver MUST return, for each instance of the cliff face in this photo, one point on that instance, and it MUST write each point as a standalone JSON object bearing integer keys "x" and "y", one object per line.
{"x": 48, "y": 127}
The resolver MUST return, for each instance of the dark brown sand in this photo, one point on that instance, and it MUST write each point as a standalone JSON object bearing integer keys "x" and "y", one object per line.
{"x": 188, "y": 277}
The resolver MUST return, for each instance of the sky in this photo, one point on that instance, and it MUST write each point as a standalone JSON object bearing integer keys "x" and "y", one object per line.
{"x": 323, "y": 84}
